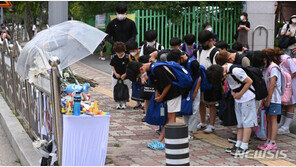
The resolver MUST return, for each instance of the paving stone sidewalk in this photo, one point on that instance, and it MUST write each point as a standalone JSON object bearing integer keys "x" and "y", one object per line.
{"x": 128, "y": 135}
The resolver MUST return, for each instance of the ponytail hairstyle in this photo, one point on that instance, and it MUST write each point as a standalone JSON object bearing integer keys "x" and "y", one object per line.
{"x": 274, "y": 54}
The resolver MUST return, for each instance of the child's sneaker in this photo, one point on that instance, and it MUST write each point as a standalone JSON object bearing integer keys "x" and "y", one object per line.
{"x": 283, "y": 131}
{"x": 123, "y": 106}
{"x": 118, "y": 106}
{"x": 262, "y": 146}
{"x": 240, "y": 152}
{"x": 138, "y": 106}
{"x": 201, "y": 126}
{"x": 270, "y": 147}
{"x": 231, "y": 150}
{"x": 209, "y": 129}
{"x": 103, "y": 58}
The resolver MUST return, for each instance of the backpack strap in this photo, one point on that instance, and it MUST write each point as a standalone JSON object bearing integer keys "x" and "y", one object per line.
{"x": 183, "y": 47}
{"x": 199, "y": 51}
{"x": 194, "y": 46}
{"x": 212, "y": 54}
{"x": 189, "y": 64}
{"x": 236, "y": 79}
{"x": 159, "y": 47}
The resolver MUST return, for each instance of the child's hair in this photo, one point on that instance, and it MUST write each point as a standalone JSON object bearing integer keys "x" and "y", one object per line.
{"x": 222, "y": 57}
{"x": 119, "y": 47}
{"x": 189, "y": 39}
{"x": 133, "y": 70}
{"x": 148, "y": 50}
{"x": 150, "y": 35}
{"x": 205, "y": 25}
{"x": 258, "y": 59}
{"x": 245, "y": 14}
{"x": 222, "y": 45}
{"x": 204, "y": 36}
{"x": 237, "y": 46}
{"x": 274, "y": 54}
{"x": 174, "y": 55}
{"x": 131, "y": 45}
{"x": 175, "y": 41}
{"x": 121, "y": 8}
{"x": 214, "y": 74}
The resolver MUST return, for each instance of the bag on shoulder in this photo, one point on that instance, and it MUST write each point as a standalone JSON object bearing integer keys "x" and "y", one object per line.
{"x": 260, "y": 89}
{"x": 182, "y": 76}
{"x": 286, "y": 41}
{"x": 120, "y": 91}
{"x": 286, "y": 83}
{"x": 212, "y": 53}
{"x": 156, "y": 112}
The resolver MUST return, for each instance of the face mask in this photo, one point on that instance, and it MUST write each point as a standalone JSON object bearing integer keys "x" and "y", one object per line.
{"x": 205, "y": 47}
{"x": 151, "y": 43}
{"x": 209, "y": 29}
{"x": 242, "y": 18}
{"x": 121, "y": 16}
{"x": 294, "y": 20}
{"x": 133, "y": 53}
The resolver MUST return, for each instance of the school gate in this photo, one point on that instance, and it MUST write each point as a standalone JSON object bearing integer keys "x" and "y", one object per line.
{"x": 223, "y": 18}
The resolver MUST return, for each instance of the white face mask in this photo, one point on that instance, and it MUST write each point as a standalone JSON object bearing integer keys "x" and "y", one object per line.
{"x": 209, "y": 29}
{"x": 121, "y": 16}
{"x": 242, "y": 18}
{"x": 133, "y": 53}
{"x": 151, "y": 43}
{"x": 293, "y": 20}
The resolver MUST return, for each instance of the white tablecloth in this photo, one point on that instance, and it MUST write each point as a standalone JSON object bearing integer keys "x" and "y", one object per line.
{"x": 85, "y": 140}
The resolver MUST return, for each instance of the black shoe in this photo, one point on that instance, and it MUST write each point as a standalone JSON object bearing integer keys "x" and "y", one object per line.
{"x": 232, "y": 140}
{"x": 240, "y": 152}
{"x": 230, "y": 150}
{"x": 143, "y": 119}
{"x": 139, "y": 106}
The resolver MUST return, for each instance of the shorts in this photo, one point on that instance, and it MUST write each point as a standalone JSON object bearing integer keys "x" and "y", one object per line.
{"x": 204, "y": 101}
{"x": 246, "y": 114}
{"x": 174, "y": 105}
{"x": 273, "y": 109}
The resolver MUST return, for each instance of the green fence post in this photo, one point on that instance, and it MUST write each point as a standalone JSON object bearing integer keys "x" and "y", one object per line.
{"x": 216, "y": 20}
{"x": 163, "y": 29}
{"x": 224, "y": 23}
{"x": 194, "y": 20}
{"x": 166, "y": 30}
{"x": 138, "y": 25}
{"x": 227, "y": 25}
{"x": 158, "y": 26}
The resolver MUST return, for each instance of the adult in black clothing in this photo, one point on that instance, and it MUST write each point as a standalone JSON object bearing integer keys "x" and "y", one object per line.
{"x": 243, "y": 29}
{"x": 121, "y": 28}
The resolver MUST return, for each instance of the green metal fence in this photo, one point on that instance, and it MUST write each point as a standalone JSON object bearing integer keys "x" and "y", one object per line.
{"x": 224, "y": 22}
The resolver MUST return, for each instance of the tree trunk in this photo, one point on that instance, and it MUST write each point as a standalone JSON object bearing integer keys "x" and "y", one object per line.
{"x": 29, "y": 20}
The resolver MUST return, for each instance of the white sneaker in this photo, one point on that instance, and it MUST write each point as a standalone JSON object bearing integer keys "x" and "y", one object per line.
{"x": 103, "y": 58}
{"x": 283, "y": 130}
{"x": 201, "y": 126}
{"x": 123, "y": 106}
{"x": 209, "y": 129}
{"x": 118, "y": 106}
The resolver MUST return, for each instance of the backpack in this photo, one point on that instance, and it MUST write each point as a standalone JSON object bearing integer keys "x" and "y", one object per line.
{"x": 212, "y": 53}
{"x": 194, "y": 48}
{"x": 258, "y": 82}
{"x": 228, "y": 116}
{"x": 285, "y": 63}
{"x": 286, "y": 83}
{"x": 158, "y": 47}
{"x": 120, "y": 92}
{"x": 182, "y": 76}
{"x": 261, "y": 129}
{"x": 205, "y": 85}
{"x": 156, "y": 112}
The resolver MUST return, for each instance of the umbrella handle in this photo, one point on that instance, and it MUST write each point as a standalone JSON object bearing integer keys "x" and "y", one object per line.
{"x": 76, "y": 81}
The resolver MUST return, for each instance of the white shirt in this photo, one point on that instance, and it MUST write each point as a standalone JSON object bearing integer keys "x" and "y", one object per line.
{"x": 241, "y": 75}
{"x": 204, "y": 57}
{"x": 156, "y": 47}
{"x": 276, "y": 96}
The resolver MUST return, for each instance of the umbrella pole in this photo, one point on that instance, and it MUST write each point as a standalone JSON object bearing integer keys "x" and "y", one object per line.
{"x": 56, "y": 104}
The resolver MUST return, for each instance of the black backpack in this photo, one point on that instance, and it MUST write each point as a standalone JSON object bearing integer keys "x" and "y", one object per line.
{"x": 120, "y": 92}
{"x": 258, "y": 82}
{"x": 228, "y": 113}
{"x": 212, "y": 53}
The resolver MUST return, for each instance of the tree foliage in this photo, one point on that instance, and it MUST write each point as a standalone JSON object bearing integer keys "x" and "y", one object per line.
{"x": 84, "y": 10}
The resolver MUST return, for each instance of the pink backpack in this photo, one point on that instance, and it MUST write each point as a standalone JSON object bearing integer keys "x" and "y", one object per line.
{"x": 285, "y": 62}
{"x": 286, "y": 83}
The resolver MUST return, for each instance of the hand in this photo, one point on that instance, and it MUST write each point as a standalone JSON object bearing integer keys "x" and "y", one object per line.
{"x": 157, "y": 94}
{"x": 143, "y": 80}
{"x": 158, "y": 99}
{"x": 236, "y": 95}
{"x": 117, "y": 76}
{"x": 267, "y": 103}
{"x": 294, "y": 51}
{"x": 289, "y": 33}
{"x": 122, "y": 77}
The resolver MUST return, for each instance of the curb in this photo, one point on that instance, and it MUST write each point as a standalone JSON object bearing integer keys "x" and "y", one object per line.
{"x": 17, "y": 136}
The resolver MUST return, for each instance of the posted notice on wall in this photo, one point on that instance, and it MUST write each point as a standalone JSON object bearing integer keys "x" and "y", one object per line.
{"x": 100, "y": 21}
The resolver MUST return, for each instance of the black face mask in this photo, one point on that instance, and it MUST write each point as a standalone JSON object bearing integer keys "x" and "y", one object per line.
{"x": 205, "y": 47}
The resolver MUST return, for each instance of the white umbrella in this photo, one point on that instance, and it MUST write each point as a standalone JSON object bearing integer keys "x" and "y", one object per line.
{"x": 70, "y": 41}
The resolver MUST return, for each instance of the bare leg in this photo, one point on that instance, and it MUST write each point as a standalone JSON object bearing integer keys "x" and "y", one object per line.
{"x": 212, "y": 114}
{"x": 239, "y": 134}
{"x": 202, "y": 112}
{"x": 268, "y": 127}
{"x": 171, "y": 119}
{"x": 274, "y": 127}
{"x": 246, "y": 134}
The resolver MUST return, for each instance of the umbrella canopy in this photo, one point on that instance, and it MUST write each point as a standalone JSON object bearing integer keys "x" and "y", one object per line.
{"x": 70, "y": 41}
